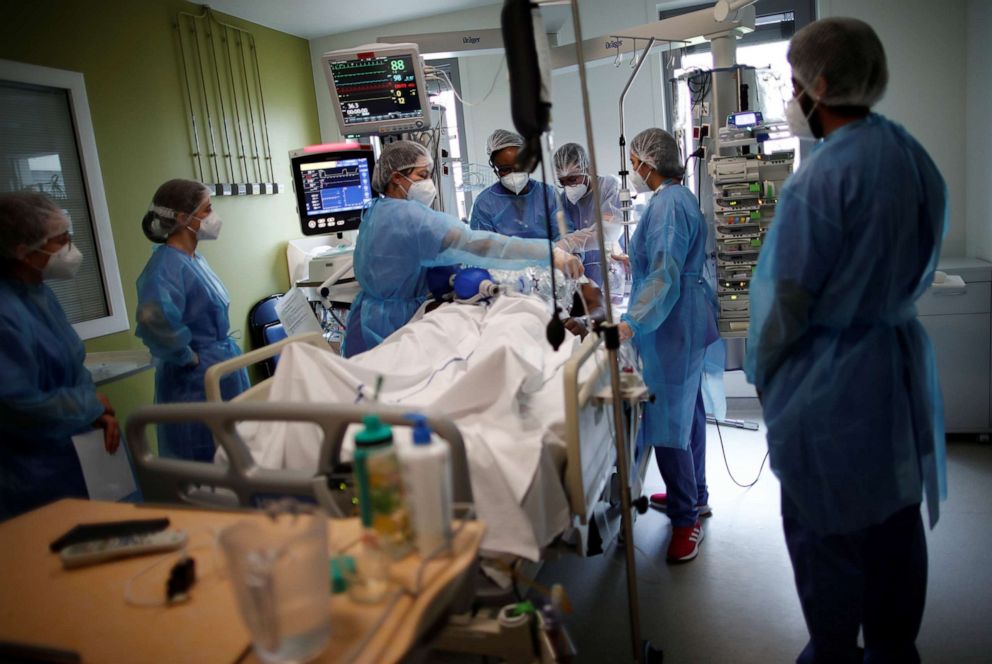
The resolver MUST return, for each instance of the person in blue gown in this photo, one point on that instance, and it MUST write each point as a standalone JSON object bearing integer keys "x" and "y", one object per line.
{"x": 671, "y": 319}
{"x": 46, "y": 395}
{"x": 517, "y": 205}
{"x": 572, "y": 171}
{"x": 844, "y": 369}
{"x": 400, "y": 237}
{"x": 182, "y": 314}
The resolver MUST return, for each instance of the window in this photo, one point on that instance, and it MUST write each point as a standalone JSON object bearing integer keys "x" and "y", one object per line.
{"x": 47, "y": 145}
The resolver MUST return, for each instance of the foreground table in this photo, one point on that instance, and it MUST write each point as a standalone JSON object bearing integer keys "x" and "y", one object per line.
{"x": 84, "y": 611}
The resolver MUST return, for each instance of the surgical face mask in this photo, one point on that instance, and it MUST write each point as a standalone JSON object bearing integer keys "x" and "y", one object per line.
{"x": 422, "y": 191}
{"x": 798, "y": 120}
{"x": 62, "y": 264}
{"x": 574, "y": 192}
{"x": 515, "y": 182}
{"x": 640, "y": 186}
{"x": 209, "y": 227}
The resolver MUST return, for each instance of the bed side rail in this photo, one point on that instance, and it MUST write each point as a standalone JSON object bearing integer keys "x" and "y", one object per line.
{"x": 182, "y": 481}
{"x": 256, "y": 392}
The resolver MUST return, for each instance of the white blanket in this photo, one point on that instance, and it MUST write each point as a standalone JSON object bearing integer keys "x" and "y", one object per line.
{"x": 489, "y": 369}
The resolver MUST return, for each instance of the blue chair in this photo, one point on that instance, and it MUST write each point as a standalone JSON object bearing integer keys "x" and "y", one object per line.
{"x": 261, "y": 317}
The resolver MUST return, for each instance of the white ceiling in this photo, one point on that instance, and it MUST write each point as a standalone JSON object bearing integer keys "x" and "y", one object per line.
{"x": 317, "y": 18}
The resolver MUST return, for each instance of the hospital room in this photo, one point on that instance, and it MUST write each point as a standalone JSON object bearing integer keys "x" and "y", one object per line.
{"x": 495, "y": 331}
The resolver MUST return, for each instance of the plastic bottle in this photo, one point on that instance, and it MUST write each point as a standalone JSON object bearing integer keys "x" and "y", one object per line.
{"x": 380, "y": 488}
{"x": 427, "y": 478}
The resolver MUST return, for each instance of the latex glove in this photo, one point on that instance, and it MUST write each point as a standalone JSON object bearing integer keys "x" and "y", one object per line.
{"x": 194, "y": 363}
{"x": 569, "y": 264}
{"x": 626, "y": 331}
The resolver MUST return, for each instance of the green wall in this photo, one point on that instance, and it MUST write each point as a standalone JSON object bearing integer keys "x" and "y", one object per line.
{"x": 126, "y": 49}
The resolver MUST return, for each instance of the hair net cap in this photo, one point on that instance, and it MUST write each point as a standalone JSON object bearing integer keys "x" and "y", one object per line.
{"x": 571, "y": 159}
{"x": 659, "y": 150}
{"x": 849, "y": 56}
{"x": 399, "y": 156}
{"x": 502, "y": 139}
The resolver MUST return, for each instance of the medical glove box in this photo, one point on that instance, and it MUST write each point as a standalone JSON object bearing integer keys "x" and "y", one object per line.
{"x": 958, "y": 318}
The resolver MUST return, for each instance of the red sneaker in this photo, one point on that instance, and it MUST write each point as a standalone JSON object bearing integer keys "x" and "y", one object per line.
{"x": 685, "y": 542}
{"x": 660, "y": 501}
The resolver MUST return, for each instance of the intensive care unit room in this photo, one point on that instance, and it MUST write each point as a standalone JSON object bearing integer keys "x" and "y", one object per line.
{"x": 481, "y": 331}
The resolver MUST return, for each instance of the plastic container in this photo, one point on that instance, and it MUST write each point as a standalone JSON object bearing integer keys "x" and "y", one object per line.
{"x": 427, "y": 478}
{"x": 380, "y": 489}
{"x": 279, "y": 573}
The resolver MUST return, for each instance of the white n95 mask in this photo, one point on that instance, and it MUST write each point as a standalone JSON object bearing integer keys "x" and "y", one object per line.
{"x": 209, "y": 227}
{"x": 63, "y": 264}
{"x": 515, "y": 182}
{"x": 422, "y": 191}
{"x": 640, "y": 186}
{"x": 574, "y": 192}
{"x": 798, "y": 121}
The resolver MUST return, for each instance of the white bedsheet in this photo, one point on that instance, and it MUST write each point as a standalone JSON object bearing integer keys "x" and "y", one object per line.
{"x": 490, "y": 370}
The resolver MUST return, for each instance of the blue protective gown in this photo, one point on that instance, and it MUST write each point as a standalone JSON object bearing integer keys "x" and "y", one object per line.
{"x": 671, "y": 311}
{"x": 46, "y": 397}
{"x": 397, "y": 242}
{"x": 499, "y": 210}
{"x": 182, "y": 309}
{"x": 846, "y": 372}
{"x": 582, "y": 214}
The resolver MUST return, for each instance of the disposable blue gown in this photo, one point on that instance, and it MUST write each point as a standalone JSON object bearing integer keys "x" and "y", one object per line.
{"x": 182, "y": 309}
{"x": 671, "y": 311}
{"x": 582, "y": 214}
{"x": 499, "y": 210}
{"x": 846, "y": 372}
{"x": 398, "y": 241}
{"x": 46, "y": 397}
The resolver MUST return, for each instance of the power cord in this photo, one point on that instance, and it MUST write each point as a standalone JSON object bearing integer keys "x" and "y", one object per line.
{"x": 727, "y": 465}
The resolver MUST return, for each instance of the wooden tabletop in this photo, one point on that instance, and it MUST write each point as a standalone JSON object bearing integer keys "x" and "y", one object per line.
{"x": 84, "y": 609}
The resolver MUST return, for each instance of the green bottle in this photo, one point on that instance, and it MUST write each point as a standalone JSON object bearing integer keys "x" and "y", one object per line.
{"x": 381, "y": 501}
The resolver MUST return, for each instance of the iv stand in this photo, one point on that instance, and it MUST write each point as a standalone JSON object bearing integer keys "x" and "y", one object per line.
{"x": 625, "y": 203}
{"x": 611, "y": 334}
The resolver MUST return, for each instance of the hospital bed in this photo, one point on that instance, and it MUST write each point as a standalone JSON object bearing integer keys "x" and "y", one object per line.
{"x": 574, "y": 482}
{"x": 576, "y": 462}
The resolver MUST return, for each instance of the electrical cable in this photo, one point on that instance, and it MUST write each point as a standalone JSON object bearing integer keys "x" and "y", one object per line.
{"x": 442, "y": 73}
{"x": 727, "y": 465}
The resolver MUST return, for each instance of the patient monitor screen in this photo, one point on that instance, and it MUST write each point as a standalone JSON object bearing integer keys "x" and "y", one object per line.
{"x": 375, "y": 88}
{"x": 332, "y": 190}
{"x": 335, "y": 186}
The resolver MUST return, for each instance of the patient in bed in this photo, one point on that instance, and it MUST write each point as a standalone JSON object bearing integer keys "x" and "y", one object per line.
{"x": 490, "y": 370}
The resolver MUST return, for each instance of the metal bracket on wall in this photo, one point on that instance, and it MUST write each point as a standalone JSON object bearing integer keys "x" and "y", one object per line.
{"x": 222, "y": 86}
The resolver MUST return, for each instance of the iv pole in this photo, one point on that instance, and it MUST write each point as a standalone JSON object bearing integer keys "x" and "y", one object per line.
{"x": 641, "y": 651}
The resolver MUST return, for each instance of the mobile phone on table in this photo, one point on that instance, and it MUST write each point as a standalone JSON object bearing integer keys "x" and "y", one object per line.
{"x": 87, "y": 532}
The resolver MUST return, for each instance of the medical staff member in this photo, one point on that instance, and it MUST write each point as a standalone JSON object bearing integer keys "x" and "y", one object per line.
{"x": 517, "y": 205}
{"x": 46, "y": 394}
{"x": 182, "y": 312}
{"x": 844, "y": 369}
{"x": 572, "y": 170}
{"x": 401, "y": 237}
{"x": 671, "y": 320}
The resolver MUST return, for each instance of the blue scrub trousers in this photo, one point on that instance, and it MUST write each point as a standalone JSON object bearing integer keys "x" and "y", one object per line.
{"x": 684, "y": 471}
{"x": 875, "y": 579}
